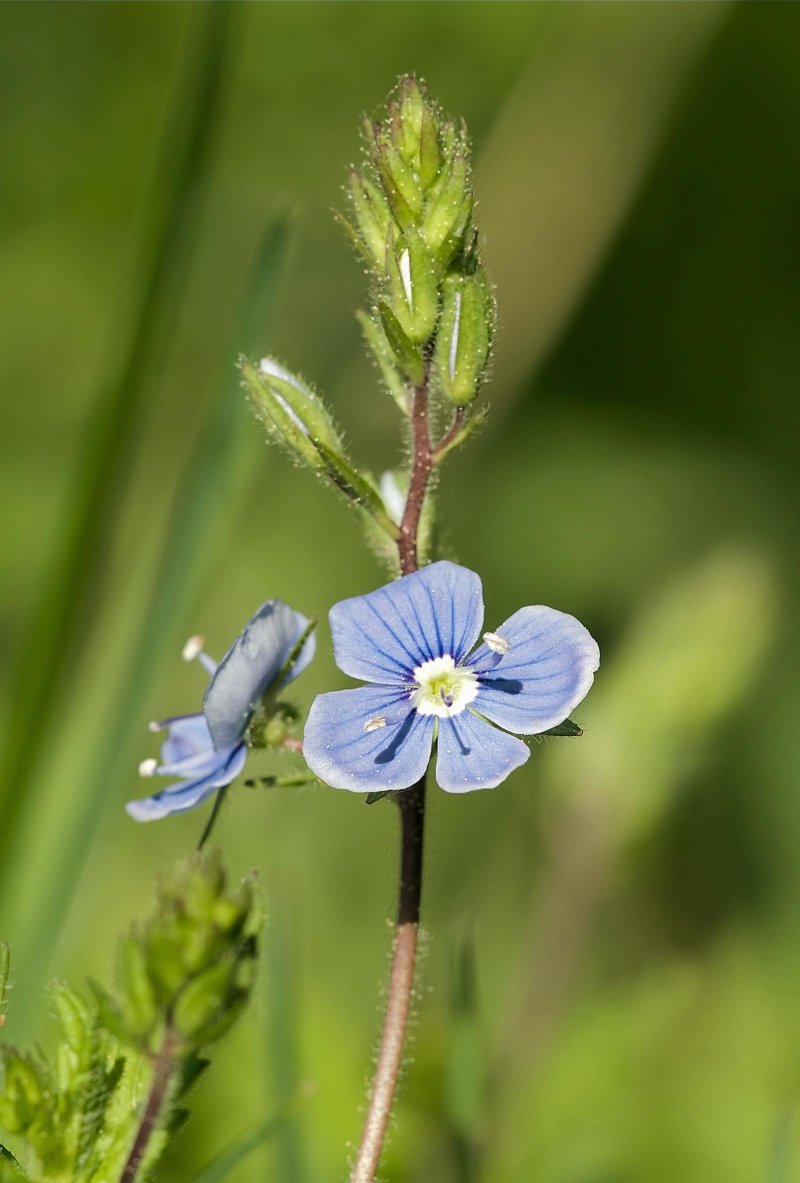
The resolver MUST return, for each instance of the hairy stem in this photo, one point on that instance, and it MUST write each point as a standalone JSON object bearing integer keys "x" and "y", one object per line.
{"x": 163, "y": 1068}
{"x": 451, "y": 433}
{"x": 421, "y": 469}
{"x": 411, "y": 803}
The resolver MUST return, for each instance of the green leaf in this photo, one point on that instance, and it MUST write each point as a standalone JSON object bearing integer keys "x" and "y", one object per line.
{"x": 565, "y": 728}
{"x": 373, "y": 798}
{"x": 376, "y": 339}
{"x": 408, "y": 356}
{"x": 7, "y": 1160}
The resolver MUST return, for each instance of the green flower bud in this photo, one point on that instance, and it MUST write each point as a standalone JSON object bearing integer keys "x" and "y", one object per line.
{"x": 430, "y": 153}
{"x": 372, "y": 215}
{"x": 205, "y": 883}
{"x": 165, "y": 965}
{"x": 448, "y": 214}
{"x": 139, "y": 1008}
{"x": 291, "y": 411}
{"x": 462, "y": 343}
{"x": 402, "y": 190}
{"x": 203, "y": 1000}
{"x": 411, "y": 285}
{"x": 409, "y": 112}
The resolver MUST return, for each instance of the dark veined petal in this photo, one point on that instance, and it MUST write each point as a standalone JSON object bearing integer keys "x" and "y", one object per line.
{"x": 383, "y": 636}
{"x": 187, "y": 735}
{"x": 367, "y": 740}
{"x": 471, "y": 754}
{"x": 546, "y": 671}
{"x": 250, "y": 667}
{"x": 185, "y": 795}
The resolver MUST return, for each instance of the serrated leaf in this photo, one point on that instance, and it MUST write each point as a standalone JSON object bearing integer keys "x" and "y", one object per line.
{"x": 7, "y": 1159}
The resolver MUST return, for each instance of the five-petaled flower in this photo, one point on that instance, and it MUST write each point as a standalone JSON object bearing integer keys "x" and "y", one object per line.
{"x": 412, "y": 641}
{"x": 207, "y": 751}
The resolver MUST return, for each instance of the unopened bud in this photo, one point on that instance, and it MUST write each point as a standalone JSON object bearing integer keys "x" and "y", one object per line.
{"x": 138, "y": 997}
{"x": 462, "y": 343}
{"x": 411, "y": 285}
{"x": 202, "y": 1001}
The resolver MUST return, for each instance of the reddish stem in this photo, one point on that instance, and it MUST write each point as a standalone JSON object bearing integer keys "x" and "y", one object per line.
{"x": 411, "y": 803}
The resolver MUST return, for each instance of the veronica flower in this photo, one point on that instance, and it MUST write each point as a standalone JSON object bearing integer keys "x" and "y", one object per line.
{"x": 207, "y": 751}
{"x": 412, "y": 642}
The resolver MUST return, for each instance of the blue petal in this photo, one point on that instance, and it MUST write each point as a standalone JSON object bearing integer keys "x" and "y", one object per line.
{"x": 546, "y": 672}
{"x": 186, "y": 736}
{"x": 342, "y": 753}
{"x": 383, "y": 636}
{"x": 471, "y": 754}
{"x": 249, "y": 668}
{"x": 185, "y": 795}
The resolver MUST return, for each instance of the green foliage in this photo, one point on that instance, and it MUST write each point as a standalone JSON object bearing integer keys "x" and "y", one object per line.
{"x": 182, "y": 979}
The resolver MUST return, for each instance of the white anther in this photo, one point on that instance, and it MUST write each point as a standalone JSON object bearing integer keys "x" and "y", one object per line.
{"x": 375, "y": 723}
{"x": 148, "y": 767}
{"x": 496, "y": 643}
{"x": 405, "y": 275}
{"x": 154, "y": 725}
{"x": 193, "y": 648}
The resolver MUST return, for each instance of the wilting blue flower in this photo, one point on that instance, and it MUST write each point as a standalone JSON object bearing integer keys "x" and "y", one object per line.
{"x": 411, "y": 640}
{"x": 208, "y": 750}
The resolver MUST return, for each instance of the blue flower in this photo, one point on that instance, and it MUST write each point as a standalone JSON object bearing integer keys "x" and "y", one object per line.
{"x": 411, "y": 641}
{"x": 208, "y": 750}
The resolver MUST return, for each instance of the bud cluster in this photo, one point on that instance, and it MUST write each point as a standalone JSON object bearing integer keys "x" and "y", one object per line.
{"x": 190, "y": 969}
{"x": 412, "y": 221}
{"x": 182, "y": 979}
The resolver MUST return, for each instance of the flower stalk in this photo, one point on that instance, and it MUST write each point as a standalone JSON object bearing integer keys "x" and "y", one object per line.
{"x": 165, "y": 1066}
{"x": 411, "y": 803}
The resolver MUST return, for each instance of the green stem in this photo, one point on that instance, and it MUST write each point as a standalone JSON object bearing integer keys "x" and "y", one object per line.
{"x": 163, "y": 1069}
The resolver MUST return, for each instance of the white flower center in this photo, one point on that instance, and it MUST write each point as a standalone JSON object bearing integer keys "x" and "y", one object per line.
{"x": 443, "y": 688}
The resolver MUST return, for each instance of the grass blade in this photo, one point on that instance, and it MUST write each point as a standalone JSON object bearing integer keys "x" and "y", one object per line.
{"x": 188, "y": 549}
{"x": 62, "y": 619}
{"x": 243, "y": 1146}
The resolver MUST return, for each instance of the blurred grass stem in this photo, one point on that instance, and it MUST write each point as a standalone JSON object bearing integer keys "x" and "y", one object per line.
{"x": 57, "y": 634}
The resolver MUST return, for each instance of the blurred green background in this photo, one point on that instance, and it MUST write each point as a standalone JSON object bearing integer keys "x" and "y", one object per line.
{"x": 611, "y": 976}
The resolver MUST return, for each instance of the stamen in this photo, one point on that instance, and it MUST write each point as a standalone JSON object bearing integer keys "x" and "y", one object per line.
{"x": 375, "y": 723}
{"x": 154, "y": 725}
{"x": 496, "y": 643}
{"x": 447, "y": 699}
{"x": 148, "y": 767}
{"x": 193, "y": 648}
